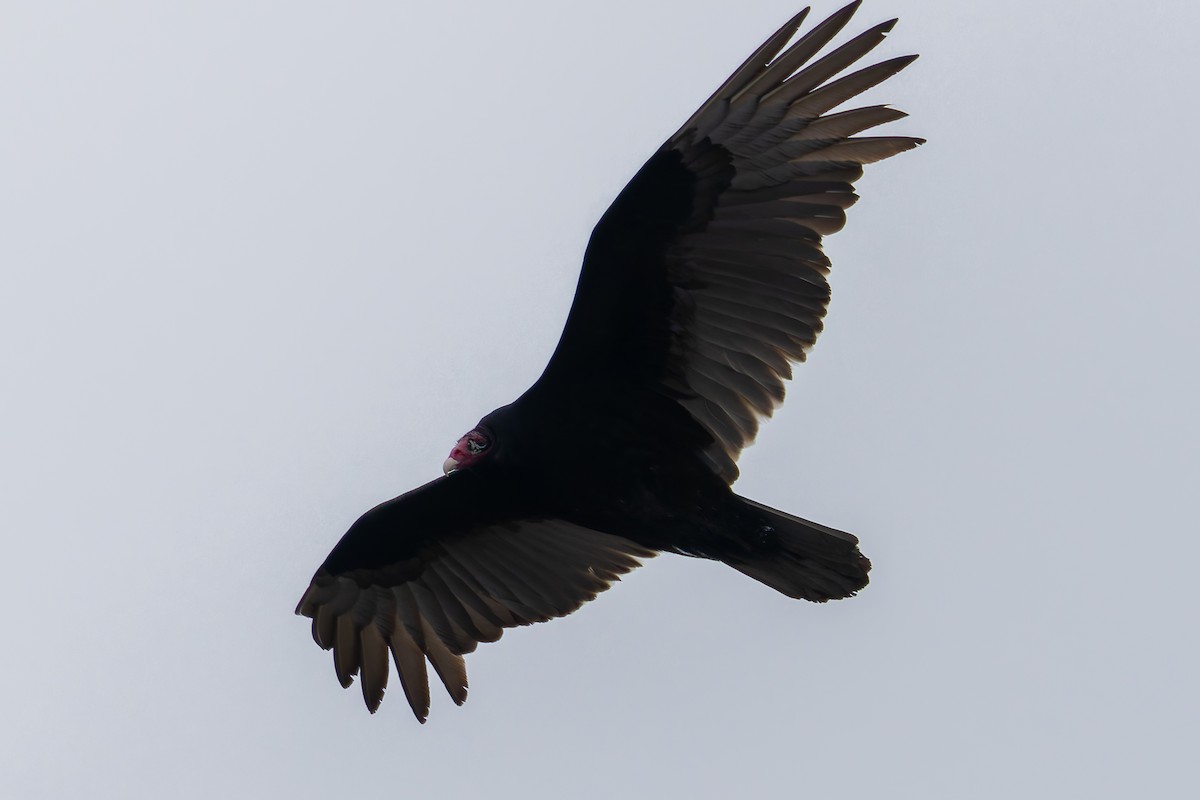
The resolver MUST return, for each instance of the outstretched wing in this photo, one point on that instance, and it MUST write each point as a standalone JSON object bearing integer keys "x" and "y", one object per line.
{"x": 434, "y": 572}
{"x": 705, "y": 279}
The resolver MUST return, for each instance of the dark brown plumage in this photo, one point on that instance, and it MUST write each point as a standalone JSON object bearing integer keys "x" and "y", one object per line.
{"x": 701, "y": 285}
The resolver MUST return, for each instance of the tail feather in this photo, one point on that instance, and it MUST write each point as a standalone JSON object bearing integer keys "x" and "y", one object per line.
{"x": 803, "y": 559}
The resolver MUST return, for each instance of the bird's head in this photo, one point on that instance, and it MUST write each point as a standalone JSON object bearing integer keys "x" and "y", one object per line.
{"x": 473, "y": 447}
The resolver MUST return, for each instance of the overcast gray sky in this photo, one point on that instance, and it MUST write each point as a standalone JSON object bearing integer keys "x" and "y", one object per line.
{"x": 262, "y": 263}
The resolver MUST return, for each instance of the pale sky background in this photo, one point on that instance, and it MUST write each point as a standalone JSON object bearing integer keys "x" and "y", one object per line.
{"x": 262, "y": 263}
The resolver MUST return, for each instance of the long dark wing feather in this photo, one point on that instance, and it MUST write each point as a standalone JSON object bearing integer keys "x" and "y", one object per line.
{"x": 429, "y": 575}
{"x": 705, "y": 279}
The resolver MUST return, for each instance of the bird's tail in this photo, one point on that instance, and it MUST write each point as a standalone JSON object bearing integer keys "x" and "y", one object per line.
{"x": 800, "y": 558}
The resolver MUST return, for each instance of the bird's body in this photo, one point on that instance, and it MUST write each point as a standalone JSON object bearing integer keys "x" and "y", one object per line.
{"x": 701, "y": 285}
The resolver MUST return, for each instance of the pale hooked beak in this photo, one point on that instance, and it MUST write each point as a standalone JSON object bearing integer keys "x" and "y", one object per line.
{"x": 449, "y": 465}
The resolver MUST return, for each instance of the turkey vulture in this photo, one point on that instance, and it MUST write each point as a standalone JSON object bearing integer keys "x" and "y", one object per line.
{"x": 701, "y": 285}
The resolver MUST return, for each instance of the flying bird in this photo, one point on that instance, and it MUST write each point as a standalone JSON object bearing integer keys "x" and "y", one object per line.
{"x": 701, "y": 285}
